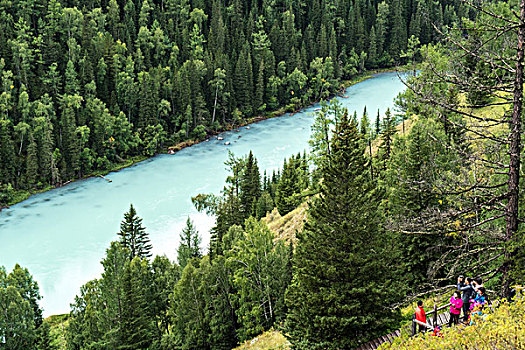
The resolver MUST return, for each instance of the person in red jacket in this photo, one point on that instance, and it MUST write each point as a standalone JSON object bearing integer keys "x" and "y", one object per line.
{"x": 420, "y": 315}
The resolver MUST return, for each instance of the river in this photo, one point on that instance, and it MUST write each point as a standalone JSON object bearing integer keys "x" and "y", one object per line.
{"x": 61, "y": 235}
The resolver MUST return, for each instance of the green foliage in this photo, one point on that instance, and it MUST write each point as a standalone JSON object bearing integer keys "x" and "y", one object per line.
{"x": 264, "y": 205}
{"x": 133, "y": 235}
{"x": 136, "y": 323}
{"x": 21, "y": 324}
{"x": 260, "y": 276}
{"x": 288, "y": 187}
{"x": 188, "y": 305}
{"x": 23, "y": 282}
{"x": 325, "y": 119}
{"x": 141, "y": 75}
{"x": 239, "y": 293}
{"x": 16, "y": 326}
{"x": 388, "y": 130}
{"x": 189, "y": 245}
{"x": 45, "y": 340}
{"x": 250, "y": 186}
{"x": 127, "y": 307}
{"x": 336, "y": 298}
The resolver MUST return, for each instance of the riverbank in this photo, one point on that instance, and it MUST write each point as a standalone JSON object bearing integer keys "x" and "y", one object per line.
{"x": 345, "y": 84}
{"x": 22, "y": 195}
{"x": 18, "y": 196}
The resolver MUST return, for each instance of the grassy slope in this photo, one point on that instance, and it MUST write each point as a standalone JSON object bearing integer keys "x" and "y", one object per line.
{"x": 271, "y": 340}
{"x": 285, "y": 227}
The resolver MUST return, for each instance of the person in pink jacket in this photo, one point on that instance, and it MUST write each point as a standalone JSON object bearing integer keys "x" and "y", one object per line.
{"x": 455, "y": 308}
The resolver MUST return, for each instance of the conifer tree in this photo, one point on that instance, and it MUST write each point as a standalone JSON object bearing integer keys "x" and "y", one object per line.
{"x": 7, "y": 152}
{"x": 220, "y": 303}
{"x": 378, "y": 123}
{"x": 188, "y": 305}
{"x": 250, "y": 186}
{"x": 365, "y": 125}
{"x": 388, "y": 131}
{"x": 32, "y": 161}
{"x": 136, "y": 323}
{"x": 133, "y": 235}
{"x": 264, "y": 205}
{"x": 341, "y": 276}
{"x": 288, "y": 189}
{"x": 189, "y": 245}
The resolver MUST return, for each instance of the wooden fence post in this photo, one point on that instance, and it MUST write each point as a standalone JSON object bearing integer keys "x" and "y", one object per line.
{"x": 435, "y": 316}
{"x": 413, "y": 325}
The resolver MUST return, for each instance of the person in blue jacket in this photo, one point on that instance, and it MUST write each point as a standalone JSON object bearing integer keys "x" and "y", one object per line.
{"x": 480, "y": 298}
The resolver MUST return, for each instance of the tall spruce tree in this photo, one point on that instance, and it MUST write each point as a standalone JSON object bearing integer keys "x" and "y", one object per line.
{"x": 342, "y": 281}
{"x": 388, "y": 131}
{"x": 288, "y": 188}
{"x": 189, "y": 246}
{"x": 133, "y": 235}
{"x": 250, "y": 186}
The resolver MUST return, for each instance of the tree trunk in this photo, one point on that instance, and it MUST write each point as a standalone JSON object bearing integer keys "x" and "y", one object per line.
{"x": 215, "y": 105}
{"x": 511, "y": 210}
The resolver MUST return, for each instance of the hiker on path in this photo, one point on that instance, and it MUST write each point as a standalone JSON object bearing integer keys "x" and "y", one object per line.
{"x": 420, "y": 315}
{"x": 455, "y": 308}
{"x": 467, "y": 293}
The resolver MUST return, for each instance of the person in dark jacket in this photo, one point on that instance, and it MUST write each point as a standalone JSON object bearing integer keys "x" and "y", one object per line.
{"x": 467, "y": 293}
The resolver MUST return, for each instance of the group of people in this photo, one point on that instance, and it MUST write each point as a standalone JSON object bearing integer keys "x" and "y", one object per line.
{"x": 470, "y": 297}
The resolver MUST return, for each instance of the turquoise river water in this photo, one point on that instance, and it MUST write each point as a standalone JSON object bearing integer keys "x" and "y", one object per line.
{"x": 62, "y": 235}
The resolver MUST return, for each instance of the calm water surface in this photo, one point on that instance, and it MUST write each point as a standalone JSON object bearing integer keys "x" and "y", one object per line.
{"x": 61, "y": 235}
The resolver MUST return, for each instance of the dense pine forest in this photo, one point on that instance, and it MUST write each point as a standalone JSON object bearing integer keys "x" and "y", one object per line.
{"x": 86, "y": 85}
{"x": 396, "y": 209}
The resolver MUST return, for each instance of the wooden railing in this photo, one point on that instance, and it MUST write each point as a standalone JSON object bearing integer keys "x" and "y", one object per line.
{"x": 437, "y": 319}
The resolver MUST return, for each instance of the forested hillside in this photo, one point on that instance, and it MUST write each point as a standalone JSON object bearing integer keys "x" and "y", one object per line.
{"x": 87, "y": 84}
{"x": 398, "y": 220}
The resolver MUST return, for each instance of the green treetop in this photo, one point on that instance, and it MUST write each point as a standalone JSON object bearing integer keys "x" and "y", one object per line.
{"x": 133, "y": 235}
{"x": 189, "y": 246}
